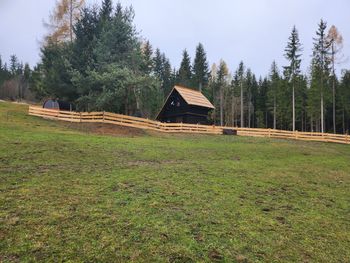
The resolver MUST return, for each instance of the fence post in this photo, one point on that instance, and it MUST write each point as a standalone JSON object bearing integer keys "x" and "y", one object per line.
{"x": 296, "y": 134}
{"x": 346, "y": 138}
{"x": 103, "y": 117}
{"x": 269, "y": 132}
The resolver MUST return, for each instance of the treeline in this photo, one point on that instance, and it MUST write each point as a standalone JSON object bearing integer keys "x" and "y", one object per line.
{"x": 15, "y": 80}
{"x": 94, "y": 57}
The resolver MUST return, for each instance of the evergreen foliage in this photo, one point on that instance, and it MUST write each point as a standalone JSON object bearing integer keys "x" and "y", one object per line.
{"x": 108, "y": 66}
{"x": 200, "y": 69}
{"x": 185, "y": 74}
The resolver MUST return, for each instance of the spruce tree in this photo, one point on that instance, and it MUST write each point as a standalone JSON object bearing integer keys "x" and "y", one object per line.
{"x": 274, "y": 80}
{"x": 249, "y": 86}
{"x": 167, "y": 81}
{"x": 240, "y": 74}
{"x": 292, "y": 71}
{"x": 185, "y": 74}
{"x": 344, "y": 95}
{"x": 147, "y": 56}
{"x": 200, "y": 68}
{"x": 158, "y": 64}
{"x": 254, "y": 95}
{"x": 221, "y": 80}
{"x": 87, "y": 32}
{"x": 106, "y": 10}
{"x": 320, "y": 64}
{"x": 14, "y": 65}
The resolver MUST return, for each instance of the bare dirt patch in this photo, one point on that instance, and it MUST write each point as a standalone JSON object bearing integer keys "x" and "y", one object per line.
{"x": 106, "y": 129}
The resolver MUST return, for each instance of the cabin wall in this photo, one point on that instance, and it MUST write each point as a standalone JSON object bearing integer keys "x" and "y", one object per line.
{"x": 174, "y": 106}
{"x": 177, "y": 110}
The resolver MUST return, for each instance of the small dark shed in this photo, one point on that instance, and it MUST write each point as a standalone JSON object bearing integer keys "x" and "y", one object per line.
{"x": 185, "y": 105}
{"x": 58, "y": 105}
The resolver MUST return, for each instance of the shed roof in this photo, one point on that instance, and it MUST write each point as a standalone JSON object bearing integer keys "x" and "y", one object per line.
{"x": 193, "y": 97}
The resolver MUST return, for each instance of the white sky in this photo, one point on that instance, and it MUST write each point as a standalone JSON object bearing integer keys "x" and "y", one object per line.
{"x": 255, "y": 31}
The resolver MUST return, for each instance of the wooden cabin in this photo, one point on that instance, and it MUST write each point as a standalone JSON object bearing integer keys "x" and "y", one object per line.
{"x": 185, "y": 105}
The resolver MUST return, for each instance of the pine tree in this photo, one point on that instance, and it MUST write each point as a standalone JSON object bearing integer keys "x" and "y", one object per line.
{"x": 36, "y": 83}
{"x": 185, "y": 74}
{"x": 147, "y": 56}
{"x": 221, "y": 81}
{"x": 200, "y": 68}
{"x": 240, "y": 74}
{"x": 158, "y": 63}
{"x": 274, "y": 80}
{"x": 254, "y": 95}
{"x": 162, "y": 70}
{"x": 320, "y": 64}
{"x": 106, "y": 10}
{"x": 118, "y": 42}
{"x": 249, "y": 87}
{"x": 167, "y": 80}
{"x": 261, "y": 109}
{"x": 14, "y": 65}
{"x": 344, "y": 95}
{"x": 292, "y": 71}
{"x": 87, "y": 32}
{"x": 301, "y": 102}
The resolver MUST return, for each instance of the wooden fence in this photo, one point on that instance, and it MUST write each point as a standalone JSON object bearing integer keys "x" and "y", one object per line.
{"x": 135, "y": 122}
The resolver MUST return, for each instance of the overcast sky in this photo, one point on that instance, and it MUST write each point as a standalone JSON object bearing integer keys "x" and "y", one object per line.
{"x": 255, "y": 31}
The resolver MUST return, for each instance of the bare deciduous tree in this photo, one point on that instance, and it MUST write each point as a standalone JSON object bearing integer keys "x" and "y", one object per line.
{"x": 336, "y": 40}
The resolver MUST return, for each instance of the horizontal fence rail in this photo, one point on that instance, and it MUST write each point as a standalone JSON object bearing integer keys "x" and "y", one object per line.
{"x": 141, "y": 123}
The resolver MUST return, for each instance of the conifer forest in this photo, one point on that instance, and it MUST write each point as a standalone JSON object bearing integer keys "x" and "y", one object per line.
{"x": 95, "y": 57}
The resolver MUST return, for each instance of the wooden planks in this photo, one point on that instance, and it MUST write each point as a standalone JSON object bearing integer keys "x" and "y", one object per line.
{"x": 141, "y": 123}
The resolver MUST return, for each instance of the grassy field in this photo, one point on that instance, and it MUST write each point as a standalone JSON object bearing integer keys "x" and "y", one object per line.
{"x": 69, "y": 195}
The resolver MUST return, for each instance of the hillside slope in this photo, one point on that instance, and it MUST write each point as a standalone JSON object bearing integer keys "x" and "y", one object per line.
{"x": 66, "y": 194}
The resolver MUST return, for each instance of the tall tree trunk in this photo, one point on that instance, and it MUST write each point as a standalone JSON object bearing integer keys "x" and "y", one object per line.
{"x": 302, "y": 121}
{"x": 274, "y": 111}
{"x": 343, "y": 121}
{"x": 249, "y": 110}
{"x": 293, "y": 106}
{"x": 233, "y": 109}
{"x": 322, "y": 117}
{"x": 333, "y": 88}
{"x": 71, "y": 21}
{"x": 242, "y": 108}
{"x": 334, "y": 121}
{"x": 221, "y": 106}
{"x": 311, "y": 123}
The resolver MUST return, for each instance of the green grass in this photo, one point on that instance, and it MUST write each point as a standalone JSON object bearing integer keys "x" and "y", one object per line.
{"x": 66, "y": 195}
